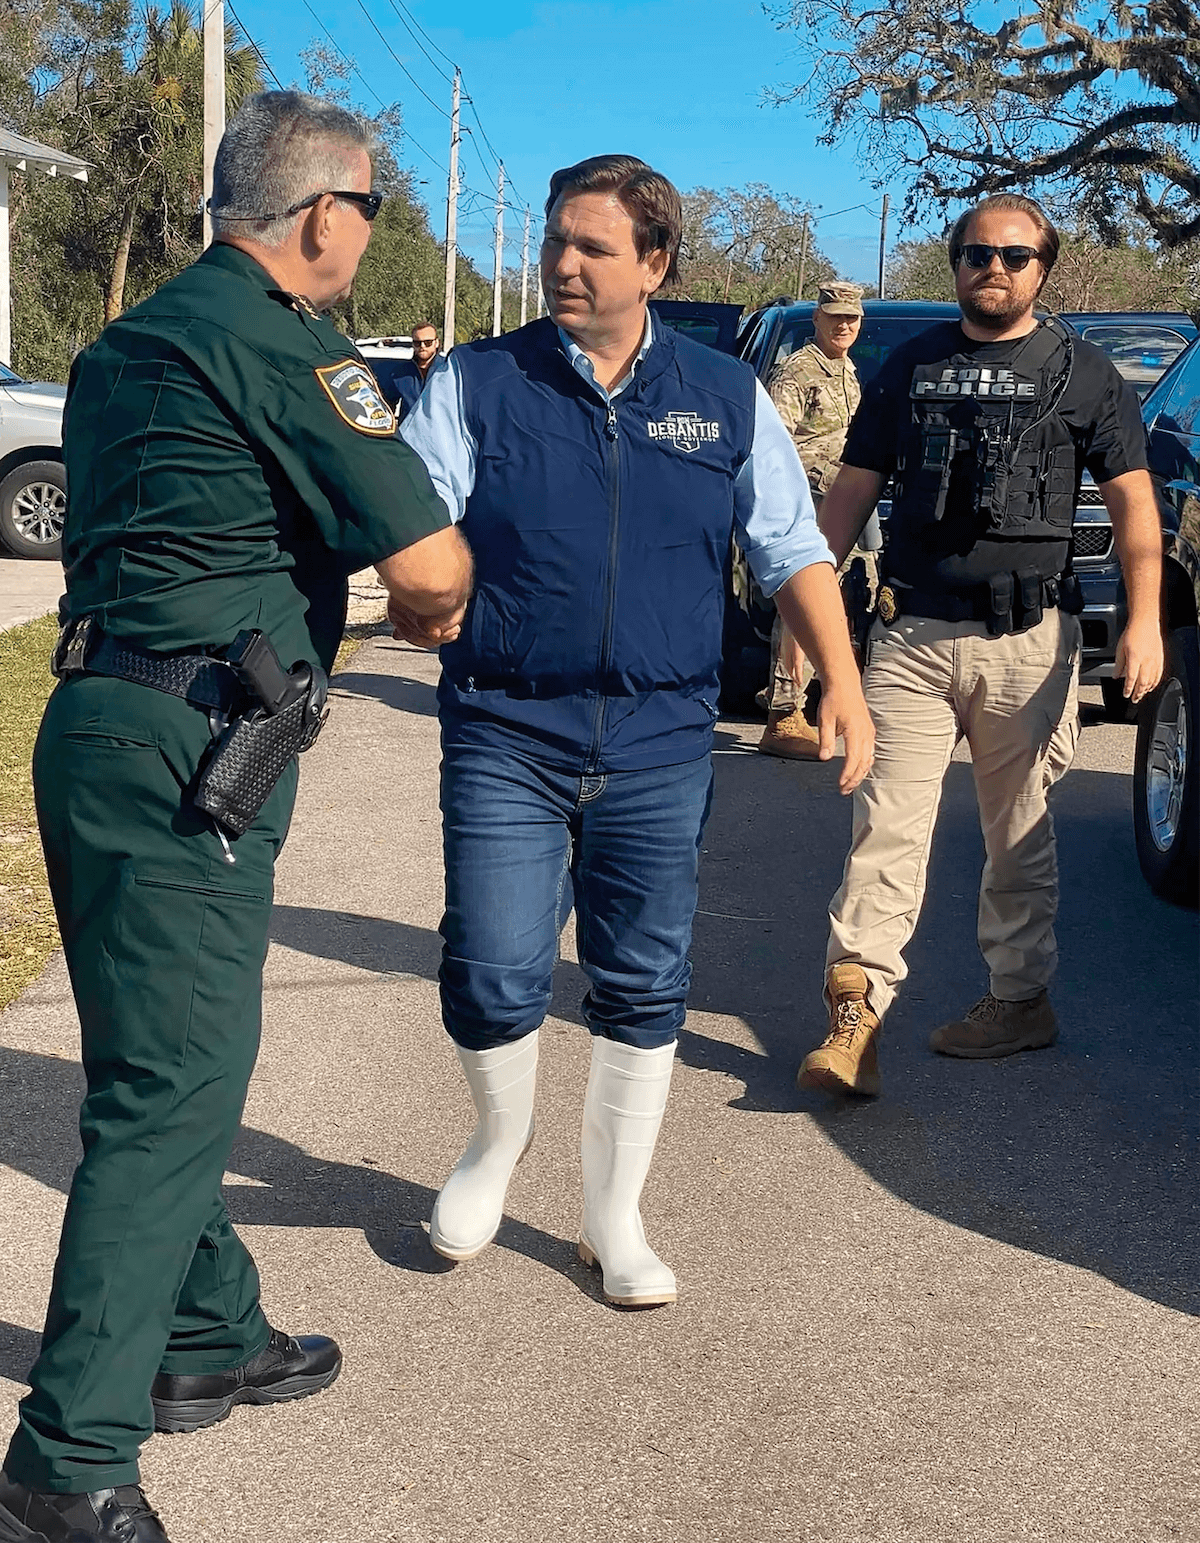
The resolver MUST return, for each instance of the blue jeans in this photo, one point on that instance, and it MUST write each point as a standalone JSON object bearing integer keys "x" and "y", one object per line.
{"x": 629, "y": 841}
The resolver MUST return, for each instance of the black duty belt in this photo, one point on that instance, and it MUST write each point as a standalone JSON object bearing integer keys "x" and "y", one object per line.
{"x": 201, "y": 679}
{"x": 1012, "y": 602}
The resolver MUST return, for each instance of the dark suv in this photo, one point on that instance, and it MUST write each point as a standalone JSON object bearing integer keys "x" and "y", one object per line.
{"x": 1166, "y": 772}
{"x": 770, "y": 335}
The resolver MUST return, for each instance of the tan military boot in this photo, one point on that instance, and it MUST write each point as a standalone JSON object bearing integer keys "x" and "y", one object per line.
{"x": 790, "y": 735}
{"x": 995, "y": 1028}
{"x": 846, "y": 1062}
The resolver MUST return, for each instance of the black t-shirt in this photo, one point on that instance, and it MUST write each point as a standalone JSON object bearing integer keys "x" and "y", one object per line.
{"x": 1099, "y": 409}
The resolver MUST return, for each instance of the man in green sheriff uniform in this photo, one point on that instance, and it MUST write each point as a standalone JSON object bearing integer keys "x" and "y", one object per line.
{"x": 816, "y": 391}
{"x": 230, "y": 463}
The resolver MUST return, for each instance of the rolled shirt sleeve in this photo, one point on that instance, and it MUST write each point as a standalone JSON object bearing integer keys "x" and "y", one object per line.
{"x": 775, "y": 520}
{"x": 436, "y": 428}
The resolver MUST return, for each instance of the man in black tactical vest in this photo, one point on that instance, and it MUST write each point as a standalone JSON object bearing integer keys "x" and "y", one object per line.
{"x": 986, "y": 427}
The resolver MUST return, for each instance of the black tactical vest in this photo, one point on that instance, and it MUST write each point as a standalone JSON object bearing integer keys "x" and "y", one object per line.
{"x": 987, "y": 457}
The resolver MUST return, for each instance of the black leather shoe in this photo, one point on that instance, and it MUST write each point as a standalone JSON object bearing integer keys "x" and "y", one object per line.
{"x": 287, "y": 1368}
{"x": 118, "y": 1515}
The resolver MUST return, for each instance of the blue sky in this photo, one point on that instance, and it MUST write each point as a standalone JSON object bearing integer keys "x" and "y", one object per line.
{"x": 677, "y": 82}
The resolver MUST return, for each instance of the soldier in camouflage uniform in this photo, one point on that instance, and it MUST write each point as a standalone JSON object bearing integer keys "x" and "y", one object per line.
{"x": 816, "y": 391}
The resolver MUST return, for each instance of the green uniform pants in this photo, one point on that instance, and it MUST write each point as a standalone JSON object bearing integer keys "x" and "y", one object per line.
{"x": 165, "y": 944}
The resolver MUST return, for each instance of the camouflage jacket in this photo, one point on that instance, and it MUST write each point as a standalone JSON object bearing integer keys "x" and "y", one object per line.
{"x": 816, "y": 397}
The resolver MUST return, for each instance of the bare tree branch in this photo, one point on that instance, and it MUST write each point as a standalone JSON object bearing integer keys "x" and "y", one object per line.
{"x": 1092, "y": 101}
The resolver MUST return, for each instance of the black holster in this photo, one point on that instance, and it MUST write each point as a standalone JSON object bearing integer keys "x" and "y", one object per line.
{"x": 252, "y": 753}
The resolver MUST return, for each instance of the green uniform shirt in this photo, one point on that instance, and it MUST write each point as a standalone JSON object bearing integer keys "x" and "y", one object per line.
{"x": 816, "y": 397}
{"x": 229, "y": 464}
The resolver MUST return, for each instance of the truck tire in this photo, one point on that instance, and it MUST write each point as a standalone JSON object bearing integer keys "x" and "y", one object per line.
{"x": 1166, "y": 776}
{"x": 33, "y": 506}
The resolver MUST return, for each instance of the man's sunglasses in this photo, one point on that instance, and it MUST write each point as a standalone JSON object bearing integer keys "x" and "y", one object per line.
{"x": 1014, "y": 258}
{"x": 369, "y": 203}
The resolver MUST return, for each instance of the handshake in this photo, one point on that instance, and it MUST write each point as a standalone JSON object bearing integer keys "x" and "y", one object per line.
{"x": 424, "y": 631}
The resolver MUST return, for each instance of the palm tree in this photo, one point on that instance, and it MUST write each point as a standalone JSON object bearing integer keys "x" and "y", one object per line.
{"x": 154, "y": 140}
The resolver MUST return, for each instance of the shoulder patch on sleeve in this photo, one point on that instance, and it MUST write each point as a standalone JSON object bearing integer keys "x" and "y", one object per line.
{"x": 351, "y": 388}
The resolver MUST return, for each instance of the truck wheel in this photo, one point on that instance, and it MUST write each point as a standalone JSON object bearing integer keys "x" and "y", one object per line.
{"x": 33, "y": 505}
{"x": 1166, "y": 774}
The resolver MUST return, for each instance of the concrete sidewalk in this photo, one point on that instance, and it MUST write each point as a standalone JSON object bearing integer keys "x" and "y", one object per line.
{"x": 27, "y": 589}
{"x": 963, "y": 1314}
{"x": 30, "y": 589}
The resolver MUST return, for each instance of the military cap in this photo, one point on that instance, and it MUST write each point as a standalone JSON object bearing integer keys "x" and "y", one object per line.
{"x": 840, "y": 299}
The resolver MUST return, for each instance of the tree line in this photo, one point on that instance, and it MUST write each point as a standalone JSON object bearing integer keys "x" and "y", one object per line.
{"x": 122, "y": 88}
{"x": 966, "y": 111}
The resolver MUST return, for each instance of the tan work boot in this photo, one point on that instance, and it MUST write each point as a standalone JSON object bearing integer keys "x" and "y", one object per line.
{"x": 790, "y": 735}
{"x": 995, "y": 1028}
{"x": 846, "y": 1062}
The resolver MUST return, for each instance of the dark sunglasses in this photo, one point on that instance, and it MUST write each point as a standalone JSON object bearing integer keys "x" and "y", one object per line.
{"x": 369, "y": 203}
{"x": 1014, "y": 258}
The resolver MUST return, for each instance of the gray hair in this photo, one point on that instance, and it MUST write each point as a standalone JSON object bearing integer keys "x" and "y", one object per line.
{"x": 279, "y": 149}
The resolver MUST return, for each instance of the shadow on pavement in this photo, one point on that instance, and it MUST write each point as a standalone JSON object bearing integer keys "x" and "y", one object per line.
{"x": 408, "y": 696}
{"x": 18, "y": 1351}
{"x": 371, "y": 942}
{"x": 289, "y": 1188}
{"x": 1086, "y": 1152}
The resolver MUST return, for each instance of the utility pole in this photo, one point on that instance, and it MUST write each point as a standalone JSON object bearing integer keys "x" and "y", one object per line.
{"x": 214, "y": 96}
{"x": 498, "y": 267}
{"x": 800, "y": 266}
{"x": 452, "y": 221}
{"x": 882, "y": 243}
{"x": 525, "y": 271}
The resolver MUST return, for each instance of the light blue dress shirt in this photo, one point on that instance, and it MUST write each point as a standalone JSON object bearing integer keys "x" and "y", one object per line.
{"x": 775, "y": 522}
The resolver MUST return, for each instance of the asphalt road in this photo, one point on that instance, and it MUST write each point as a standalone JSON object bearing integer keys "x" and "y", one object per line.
{"x": 965, "y": 1313}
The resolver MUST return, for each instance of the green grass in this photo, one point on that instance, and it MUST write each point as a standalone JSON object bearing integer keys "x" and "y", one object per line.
{"x": 28, "y": 934}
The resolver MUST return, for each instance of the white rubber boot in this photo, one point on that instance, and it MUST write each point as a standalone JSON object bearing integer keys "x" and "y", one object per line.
{"x": 466, "y": 1215}
{"x": 626, "y": 1097}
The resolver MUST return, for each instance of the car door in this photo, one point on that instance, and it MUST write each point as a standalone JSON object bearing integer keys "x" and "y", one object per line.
{"x": 1173, "y": 447}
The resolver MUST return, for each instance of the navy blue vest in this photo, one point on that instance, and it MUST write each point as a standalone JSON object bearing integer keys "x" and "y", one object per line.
{"x": 601, "y": 537}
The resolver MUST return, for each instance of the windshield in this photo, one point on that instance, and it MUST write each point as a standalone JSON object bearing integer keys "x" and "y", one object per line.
{"x": 874, "y": 343}
{"x": 1140, "y": 352}
{"x": 7, "y": 378}
{"x": 699, "y": 328}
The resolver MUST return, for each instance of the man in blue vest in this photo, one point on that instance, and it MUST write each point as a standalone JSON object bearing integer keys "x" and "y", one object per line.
{"x": 599, "y": 466}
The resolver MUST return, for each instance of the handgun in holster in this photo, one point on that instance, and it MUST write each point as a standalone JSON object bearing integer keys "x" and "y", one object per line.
{"x": 250, "y": 755}
{"x": 860, "y": 613}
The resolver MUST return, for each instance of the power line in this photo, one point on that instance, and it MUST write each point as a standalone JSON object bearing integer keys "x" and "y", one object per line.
{"x": 262, "y": 58}
{"x": 402, "y": 12}
{"x": 346, "y": 59}
{"x": 474, "y": 193}
{"x": 425, "y": 34}
{"x": 435, "y": 105}
{"x": 495, "y": 156}
{"x": 401, "y": 63}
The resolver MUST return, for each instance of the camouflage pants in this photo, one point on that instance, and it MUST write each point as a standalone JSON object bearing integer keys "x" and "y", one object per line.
{"x": 783, "y": 694}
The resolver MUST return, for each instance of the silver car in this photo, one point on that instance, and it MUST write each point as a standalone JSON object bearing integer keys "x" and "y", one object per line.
{"x": 33, "y": 485}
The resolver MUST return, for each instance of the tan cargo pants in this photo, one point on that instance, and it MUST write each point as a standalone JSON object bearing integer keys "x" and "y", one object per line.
{"x": 1014, "y": 699}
